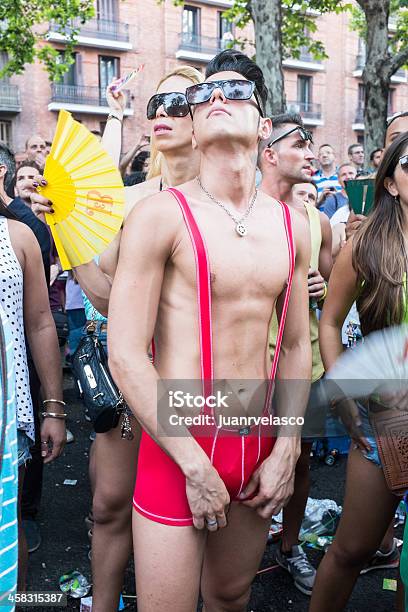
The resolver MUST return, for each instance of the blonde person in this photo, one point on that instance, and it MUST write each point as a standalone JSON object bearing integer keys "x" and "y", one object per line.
{"x": 113, "y": 459}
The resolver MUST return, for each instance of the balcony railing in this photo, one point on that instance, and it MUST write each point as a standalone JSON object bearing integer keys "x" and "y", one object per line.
{"x": 105, "y": 29}
{"x": 9, "y": 98}
{"x": 202, "y": 44}
{"x": 80, "y": 94}
{"x": 308, "y": 110}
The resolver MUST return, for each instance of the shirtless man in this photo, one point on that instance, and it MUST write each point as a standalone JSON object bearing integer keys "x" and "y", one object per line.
{"x": 285, "y": 163}
{"x": 200, "y": 517}
{"x": 113, "y": 460}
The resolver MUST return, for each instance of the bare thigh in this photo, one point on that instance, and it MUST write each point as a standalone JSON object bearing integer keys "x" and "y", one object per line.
{"x": 232, "y": 558}
{"x": 168, "y": 563}
{"x": 114, "y": 461}
{"x": 368, "y": 509}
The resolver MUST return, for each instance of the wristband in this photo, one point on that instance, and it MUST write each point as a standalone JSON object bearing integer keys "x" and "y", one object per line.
{"x": 111, "y": 116}
{"x": 54, "y": 401}
{"x": 53, "y": 415}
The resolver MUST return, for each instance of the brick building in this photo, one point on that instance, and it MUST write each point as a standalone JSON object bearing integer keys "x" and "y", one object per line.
{"x": 127, "y": 33}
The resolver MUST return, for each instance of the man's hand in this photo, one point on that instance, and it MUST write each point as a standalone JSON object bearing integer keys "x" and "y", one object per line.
{"x": 39, "y": 204}
{"x": 353, "y": 223}
{"x": 143, "y": 142}
{"x": 116, "y": 99}
{"x": 273, "y": 481}
{"x": 326, "y": 192}
{"x": 208, "y": 499}
{"x": 53, "y": 438}
{"x": 316, "y": 284}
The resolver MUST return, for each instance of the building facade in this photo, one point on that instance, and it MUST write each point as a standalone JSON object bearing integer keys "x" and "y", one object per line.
{"x": 127, "y": 33}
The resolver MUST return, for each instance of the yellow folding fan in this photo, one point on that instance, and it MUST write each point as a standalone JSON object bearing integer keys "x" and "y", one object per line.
{"x": 86, "y": 191}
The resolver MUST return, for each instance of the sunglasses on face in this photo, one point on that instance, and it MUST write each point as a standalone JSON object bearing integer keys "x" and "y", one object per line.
{"x": 304, "y": 135}
{"x": 174, "y": 104}
{"x": 403, "y": 162}
{"x": 233, "y": 89}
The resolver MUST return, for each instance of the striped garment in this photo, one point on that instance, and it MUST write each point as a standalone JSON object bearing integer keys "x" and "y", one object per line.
{"x": 8, "y": 470}
{"x": 325, "y": 182}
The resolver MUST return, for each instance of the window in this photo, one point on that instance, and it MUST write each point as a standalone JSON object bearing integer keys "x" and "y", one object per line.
{"x": 5, "y": 132}
{"x": 108, "y": 68}
{"x": 225, "y": 27}
{"x": 107, "y": 9}
{"x": 304, "y": 92}
{"x": 70, "y": 77}
{"x": 361, "y": 95}
{"x": 191, "y": 23}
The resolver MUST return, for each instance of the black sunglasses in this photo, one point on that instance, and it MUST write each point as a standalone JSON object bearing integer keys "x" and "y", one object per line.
{"x": 174, "y": 104}
{"x": 233, "y": 89}
{"x": 403, "y": 162}
{"x": 304, "y": 134}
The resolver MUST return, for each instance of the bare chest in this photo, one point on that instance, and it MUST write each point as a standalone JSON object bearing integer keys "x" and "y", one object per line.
{"x": 252, "y": 267}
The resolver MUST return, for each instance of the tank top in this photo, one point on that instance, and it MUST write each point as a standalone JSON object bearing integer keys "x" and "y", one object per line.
{"x": 316, "y": 242}
{"x": 11, "y": 299}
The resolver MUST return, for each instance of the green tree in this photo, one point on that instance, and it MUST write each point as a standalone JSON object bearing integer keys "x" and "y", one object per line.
{"x": 24, "y": 25}
{"x": 283, "y": 28}
{"x": 386, "y": 52}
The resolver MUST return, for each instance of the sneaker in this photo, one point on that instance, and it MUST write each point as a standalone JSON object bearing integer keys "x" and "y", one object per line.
{"x": 380, "y": 560}
{"x": 70, "y": 436}
{"x": 32, "y": 534}
{"x": 299, "y": 567}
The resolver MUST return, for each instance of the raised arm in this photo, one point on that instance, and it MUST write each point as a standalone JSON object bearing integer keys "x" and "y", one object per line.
{"x": 147, "y": 244}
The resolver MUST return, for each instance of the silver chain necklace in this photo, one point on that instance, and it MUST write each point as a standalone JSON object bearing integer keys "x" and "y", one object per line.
{"x": 240, "y": 226}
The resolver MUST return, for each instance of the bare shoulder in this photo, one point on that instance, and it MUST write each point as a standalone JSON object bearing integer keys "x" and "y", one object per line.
{"x": 159, "y": 213}
{"x": 324, "y": 220}
{"x": 136, "y": 193}
{"x": 20, "y": 232}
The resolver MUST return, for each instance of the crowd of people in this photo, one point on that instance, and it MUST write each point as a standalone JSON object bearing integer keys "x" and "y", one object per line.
{"x": 236, "y": 227}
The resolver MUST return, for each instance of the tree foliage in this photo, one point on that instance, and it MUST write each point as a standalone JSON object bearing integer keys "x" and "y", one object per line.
{"x": 24, "y": 25}
{"x": 298, "y": 23}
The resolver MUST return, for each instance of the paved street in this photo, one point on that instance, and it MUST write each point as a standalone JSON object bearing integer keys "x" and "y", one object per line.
{"x": 65, "y": 543}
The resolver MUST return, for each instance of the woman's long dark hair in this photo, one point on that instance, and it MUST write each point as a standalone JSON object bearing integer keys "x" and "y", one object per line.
{"x": 379, "y": 255}
{"x": 4, "y": 211}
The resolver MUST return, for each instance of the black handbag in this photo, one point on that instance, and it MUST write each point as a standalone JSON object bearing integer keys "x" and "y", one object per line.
{"x": 61, "y": 324}
{"x": 98, "y": 390}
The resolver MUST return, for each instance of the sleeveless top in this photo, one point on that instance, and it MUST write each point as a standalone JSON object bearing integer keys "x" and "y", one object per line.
{"x": 316, "y": 242}
{"x": 11, "y": 299}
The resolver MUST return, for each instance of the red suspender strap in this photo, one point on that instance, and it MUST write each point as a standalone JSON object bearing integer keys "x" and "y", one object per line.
{"x": 203, "y": 291}
{"x": 291, "y": 250}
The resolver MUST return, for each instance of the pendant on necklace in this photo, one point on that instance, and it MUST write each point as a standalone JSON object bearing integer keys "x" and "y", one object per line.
{"x": 241, "y": 229}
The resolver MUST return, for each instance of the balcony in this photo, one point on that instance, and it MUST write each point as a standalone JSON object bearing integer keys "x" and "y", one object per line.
{"x": 81, "y": 99}
{"x": 9, "y": 99}
{"x": 310, "y": 112}
{"x": 199, "y": 48}
{"x": 398, "y": 77}
{"x": 101, "y": 33}
{"x": 305, "y": 61}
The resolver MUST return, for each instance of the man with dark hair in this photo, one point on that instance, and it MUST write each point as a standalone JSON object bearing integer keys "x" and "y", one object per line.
{"x": 326, "y": 177}
{"x": 375, "y": 158}
{"x": 25, "y": 174}
{"x": 231, "y": 240}
{"x": 286, "y": 165}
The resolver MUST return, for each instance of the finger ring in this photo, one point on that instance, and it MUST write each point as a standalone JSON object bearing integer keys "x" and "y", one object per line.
{"x": 211, "y": 522}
